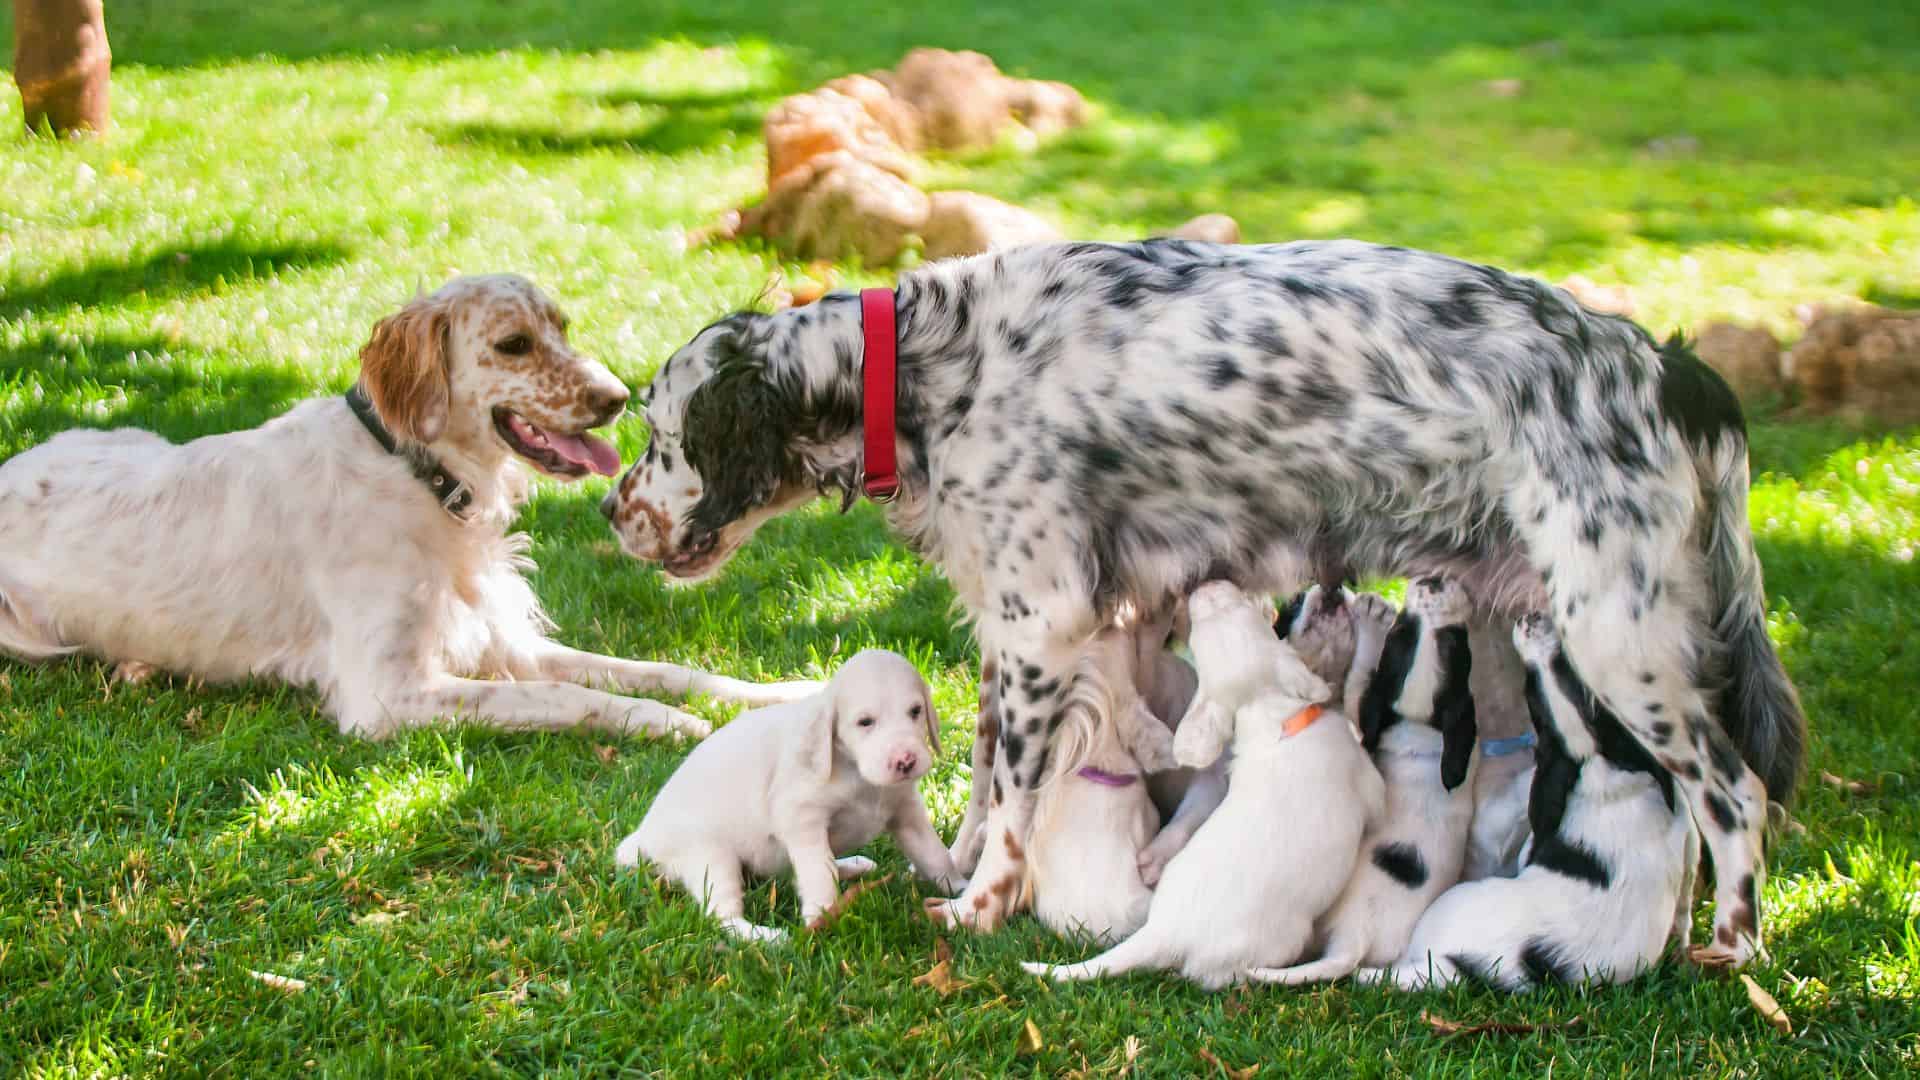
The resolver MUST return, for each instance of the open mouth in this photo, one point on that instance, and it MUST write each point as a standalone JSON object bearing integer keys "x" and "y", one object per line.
{"x": 554, "y": 453}
{"x": 698, "y": 560}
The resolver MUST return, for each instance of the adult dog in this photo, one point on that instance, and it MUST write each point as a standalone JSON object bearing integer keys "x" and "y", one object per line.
{"x": 1083, "y": 425}
{"x": 357, "y": 544}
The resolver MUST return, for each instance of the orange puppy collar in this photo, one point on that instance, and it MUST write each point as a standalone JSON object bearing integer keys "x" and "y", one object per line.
{"x": 1300, "y": 721}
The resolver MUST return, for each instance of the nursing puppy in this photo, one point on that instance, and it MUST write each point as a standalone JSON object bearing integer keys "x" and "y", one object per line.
{"x": 1504, "y": 777}
{"x": 1417, "y": 720}
{"x": 1095, "y": 812}
{"x": 1608, "y": 878}
{"x": 1245, "y": 891}
{"x": 1339, "y": 636}
{"x": 799, "y": 785}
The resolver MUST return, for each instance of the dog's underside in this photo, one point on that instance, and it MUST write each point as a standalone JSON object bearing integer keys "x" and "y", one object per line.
{"x": 1086, "y": 425}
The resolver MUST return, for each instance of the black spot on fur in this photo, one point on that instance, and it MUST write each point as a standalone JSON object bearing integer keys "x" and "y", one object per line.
{"x": 1695, "y": 397}
{"x": 1611, "y": 738}
{"x": 1721, "y": 811}
{"x": 1223, "y": 371}
{"x": 1402, "y": 863}
{"x": 1016, "y": 745}
{"x": 1544, "y": 963}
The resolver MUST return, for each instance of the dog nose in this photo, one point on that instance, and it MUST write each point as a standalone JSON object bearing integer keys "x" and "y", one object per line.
{"x": 606, "y": 401}
{"x": 904, "y": 762}
{"x": 607, "y": 506}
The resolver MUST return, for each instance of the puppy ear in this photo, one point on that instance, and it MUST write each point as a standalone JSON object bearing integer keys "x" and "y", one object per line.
{"x": 1297, "y": 680}
{"x": 1453, "y": 711}
{"x": 1203, "y": 733}
{"x": 1389, "y": 681}
{"x": 933, "y": 721}
{"x": 403, "y": 367}
{"x": 822, "y": 729}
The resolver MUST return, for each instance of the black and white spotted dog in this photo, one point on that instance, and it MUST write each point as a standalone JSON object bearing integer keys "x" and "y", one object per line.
{"x": 1085, "y": 425}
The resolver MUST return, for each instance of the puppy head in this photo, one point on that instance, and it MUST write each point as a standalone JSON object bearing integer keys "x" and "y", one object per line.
{"x": 1318, "y": 624}
{"x": 483, "y": 366}
{"x": 878, "y": 715}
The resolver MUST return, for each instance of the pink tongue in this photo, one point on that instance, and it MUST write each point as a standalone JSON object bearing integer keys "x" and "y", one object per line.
{"x": 586, "y": 451}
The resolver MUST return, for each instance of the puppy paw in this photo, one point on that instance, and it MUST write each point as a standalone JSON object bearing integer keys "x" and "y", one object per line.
{"x": 133, "y": 672}
{"x": 1721, "y": 958}
{"x": 979, "y": 914}
{"x": 1439, "y": 601}
{"x": 1373, "y": 615}
{"x": 754, "y": 932}
{"x": 853, "y": 866}
{"x": 1155, "y": 856}
{"x": 1534, "y": 638}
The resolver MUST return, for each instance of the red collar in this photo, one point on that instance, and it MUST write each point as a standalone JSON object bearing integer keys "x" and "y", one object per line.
{"x": 878, "y": 375}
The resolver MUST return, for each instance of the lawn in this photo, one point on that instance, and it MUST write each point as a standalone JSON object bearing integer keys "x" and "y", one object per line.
{"x": 283, "y": 174}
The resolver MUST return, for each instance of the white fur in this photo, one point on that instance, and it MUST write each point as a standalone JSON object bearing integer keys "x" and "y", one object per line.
{"x": 304, "y": 552}
{"x": 1245, "y": 891}
{"x": 798, "y": 786}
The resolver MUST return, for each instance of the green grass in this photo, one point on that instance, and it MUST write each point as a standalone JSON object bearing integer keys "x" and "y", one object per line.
{"x": 283, "y": 174}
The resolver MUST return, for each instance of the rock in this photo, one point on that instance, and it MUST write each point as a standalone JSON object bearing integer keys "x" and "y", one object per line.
{"x": 838, "y": 205}
{"x": 1209, "y": 229}
{"x": 1605, "y": 299}
{"x": 967, "y": 223}
{"x": 962, "y": 100}
{"x": 1746, "y": 356}
{"x": 824, "y": 121}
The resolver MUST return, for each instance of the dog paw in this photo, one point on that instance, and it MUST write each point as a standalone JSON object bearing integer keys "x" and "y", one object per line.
{"x": 754, "y": 932}
{"x": 1154, "y": 859}
{"x": 1372, "y": 612}
{"x": 1440, "y": 601}
{"x": 979, "y": 914}
{"x": 1534, "y": 638}
{"x": 853, "y": 866}
{"x": 133, "y": 672}
{"x": 1721, "y": 958}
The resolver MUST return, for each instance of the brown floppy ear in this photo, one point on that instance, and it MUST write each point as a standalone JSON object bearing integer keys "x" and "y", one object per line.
{"x": 403, "y": 367}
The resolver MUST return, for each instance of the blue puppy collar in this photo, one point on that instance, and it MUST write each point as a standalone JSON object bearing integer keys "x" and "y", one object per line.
{"x": 1503, "y": 747}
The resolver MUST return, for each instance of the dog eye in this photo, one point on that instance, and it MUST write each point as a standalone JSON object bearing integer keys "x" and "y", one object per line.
{"x": 913, "y": 713}
{"x": 865, "y": 721}
{"x": 517, "y": 345}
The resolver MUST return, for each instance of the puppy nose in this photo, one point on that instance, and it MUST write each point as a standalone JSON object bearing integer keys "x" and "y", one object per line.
{"x": 607, "y": 506}
{"x": 606, "y": 401}
{"x": 904, "y": 762}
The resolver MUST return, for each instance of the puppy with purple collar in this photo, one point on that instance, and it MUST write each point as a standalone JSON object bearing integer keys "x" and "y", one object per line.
{"x": 801, "y": 786}
{"x": 1417, "y": 720}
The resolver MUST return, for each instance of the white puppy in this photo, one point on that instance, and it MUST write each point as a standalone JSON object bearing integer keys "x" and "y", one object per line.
{"x": 1606, "y": 881}
{"x": 799, "y": 785}
{"x": 1245, "y": 891}
{"x": 1095, "y": 813}
{"x": 1417, "y": 719}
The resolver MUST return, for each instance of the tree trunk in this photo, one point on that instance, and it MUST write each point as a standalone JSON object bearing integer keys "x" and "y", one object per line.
{"x": 61, "y": 61}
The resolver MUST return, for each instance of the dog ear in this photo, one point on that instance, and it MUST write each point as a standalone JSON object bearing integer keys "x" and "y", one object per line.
{"x": 1453, "y": 711}
{"x": 817, "y": 740}
{"x": 933, "y": 720}
{"x": 1389, "y": 680}
{"x": 1204, "y": 733}
{"x": 740, "y": 430}
{"x": 403, "y": 367}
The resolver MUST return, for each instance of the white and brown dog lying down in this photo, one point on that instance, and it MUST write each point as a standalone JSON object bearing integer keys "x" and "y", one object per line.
{"x": 1245, "y": 891}
{"x": 1608, "y": 877}
{"x": 801, "y": 786}
{"x": 357, "y": 544}
{"x": 1417, "y": 721}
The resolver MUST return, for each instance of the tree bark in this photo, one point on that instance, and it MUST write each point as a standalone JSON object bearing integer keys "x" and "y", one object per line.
{"x": 62, "y": 64}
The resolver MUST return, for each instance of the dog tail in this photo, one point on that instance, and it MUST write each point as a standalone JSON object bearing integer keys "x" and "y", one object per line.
{"x": 23, "y": 632}
{"x": 1758, "y": 704}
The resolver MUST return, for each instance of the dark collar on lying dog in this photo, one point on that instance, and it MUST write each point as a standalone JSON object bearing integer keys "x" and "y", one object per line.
{"x": 878, "y": 377}
{"x": 1511, "y": 745}
{"x": 453, "y": 496}
{"x": 1102, "y": 776}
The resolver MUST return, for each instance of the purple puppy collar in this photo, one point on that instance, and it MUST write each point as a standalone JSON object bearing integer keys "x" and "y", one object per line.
{"x": 1101, "y": 776}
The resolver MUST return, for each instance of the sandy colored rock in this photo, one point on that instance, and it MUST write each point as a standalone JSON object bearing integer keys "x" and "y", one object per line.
{"x": 1605, "y": 299}
{"x": 806, "y": 126}
{"x": 1046, "y": 108}
{"x": 62, "y": 64}
{"x": 962, "y": 100}
{"x": 1859, "y": 363}
{"x": 838, "y": 205}
{"x": 967, "y": 223}
{"x": 1746, "y": 356}
{"x": 1209, "y": 229}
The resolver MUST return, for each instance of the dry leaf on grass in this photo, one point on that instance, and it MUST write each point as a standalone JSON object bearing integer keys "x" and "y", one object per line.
{"x": 1444, "y": 1026}
{"x": 840, "y": 905}
{"x": 283, "y": 983}
{"x": 607, "y": 753}
{"x": 940, "y": 976}
{"x": 1851, "y": 787}
{"x": 1225, "y": 1070}
{"x": 1030, "y": 1040}
{"x": 1766, "y": 1006}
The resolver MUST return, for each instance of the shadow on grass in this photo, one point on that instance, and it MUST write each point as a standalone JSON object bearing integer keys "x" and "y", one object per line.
{"x": 181, "y": 271}
{"x": 179, "y": 391}
{"x": 680, "y": 130}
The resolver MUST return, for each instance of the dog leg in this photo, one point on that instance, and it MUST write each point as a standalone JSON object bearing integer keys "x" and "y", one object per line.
{"x": 1682, "y": 934}
{"x": 1203, "y": 796}
{"x": 816, "y": 873}
{"x": 913, "y": 832}
{"x": 530, "y": 706}
{"x": 641, "y": 676}
{"x": 853, "y": 866}
{"x": 971, "y": 841}
{"x": 1138, "y": 951}
{"x": 717, "y": 881}
{"x": 1372, "y": 618}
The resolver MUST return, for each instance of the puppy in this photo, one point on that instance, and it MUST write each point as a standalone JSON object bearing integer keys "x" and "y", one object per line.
{"x": 1338, "y": 635}
{"x": 1095, "y": 812}
{"x": 799, "y": 785}
{"x": 1245, "y": 891}
{"x": 1607, "y": 880}
{"x": 1417, "y": 720}
{"x": 1505, "y": 774}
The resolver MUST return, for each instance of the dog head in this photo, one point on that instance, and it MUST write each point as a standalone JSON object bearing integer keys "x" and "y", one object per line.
{"x": 877, "y": 714}
{"x": 737, "y": 440}
{"x": 481, "y": 367}
{"x": 1318, "y": 624}
{"x": 1238, "y": 660}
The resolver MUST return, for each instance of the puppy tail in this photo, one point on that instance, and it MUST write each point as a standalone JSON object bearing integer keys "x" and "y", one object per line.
{"x": 24, "y": 632}
{"x": 1758, "y": 704}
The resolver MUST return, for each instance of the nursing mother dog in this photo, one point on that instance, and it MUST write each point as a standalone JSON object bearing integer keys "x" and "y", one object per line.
{"x": 1069, "y": 429}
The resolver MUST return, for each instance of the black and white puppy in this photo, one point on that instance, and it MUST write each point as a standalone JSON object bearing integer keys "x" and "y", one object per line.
{"x": 1417, "y": 721}
{"x": 1609, "y": 875}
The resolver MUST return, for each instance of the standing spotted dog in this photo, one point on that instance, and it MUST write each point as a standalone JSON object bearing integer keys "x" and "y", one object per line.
{"x": 1081, "y": 426}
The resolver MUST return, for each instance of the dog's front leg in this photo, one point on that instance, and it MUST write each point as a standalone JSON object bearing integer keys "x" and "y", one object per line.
{"x": 1034, "y": 677}
{"x": 1205, "y": 792}
{"x": 816, "y": 873}
{"x": 971, "y": 840}
{"x": 646, "y": 676}
{"x": 519, "y": 706}
{"x": 913, "y": 832}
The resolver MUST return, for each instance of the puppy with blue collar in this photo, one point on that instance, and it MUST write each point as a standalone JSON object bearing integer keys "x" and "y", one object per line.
{"x": 1417, "y": 721}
